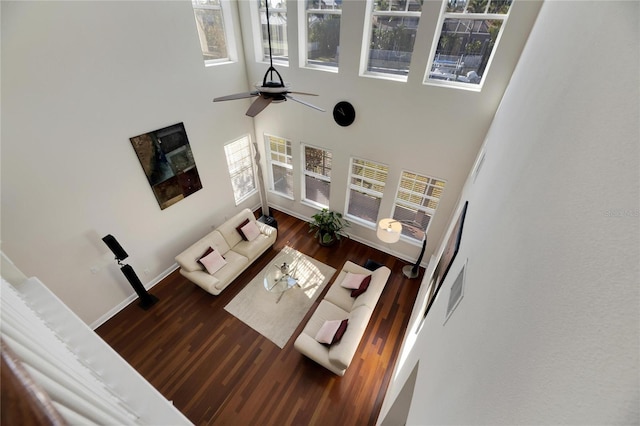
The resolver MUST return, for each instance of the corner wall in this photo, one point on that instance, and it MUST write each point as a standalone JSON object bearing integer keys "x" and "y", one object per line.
{"x": 547, "y": 329}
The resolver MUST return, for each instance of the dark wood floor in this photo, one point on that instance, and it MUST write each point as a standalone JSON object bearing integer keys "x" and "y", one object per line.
{"x": 219, "y": 371}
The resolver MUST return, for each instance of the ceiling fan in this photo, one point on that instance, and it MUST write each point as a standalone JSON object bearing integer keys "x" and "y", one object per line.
{"x": 271, "y": 90}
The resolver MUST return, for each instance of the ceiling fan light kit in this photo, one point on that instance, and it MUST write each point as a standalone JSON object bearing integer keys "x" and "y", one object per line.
{"x": 271, "y": 90}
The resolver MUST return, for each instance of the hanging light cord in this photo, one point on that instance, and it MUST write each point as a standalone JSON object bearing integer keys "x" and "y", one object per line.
{"x": 266, "y": 3}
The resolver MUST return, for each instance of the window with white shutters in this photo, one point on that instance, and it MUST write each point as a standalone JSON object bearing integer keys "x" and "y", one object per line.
{"x": 367, "y": 180}
{"x": 416, "y": 200}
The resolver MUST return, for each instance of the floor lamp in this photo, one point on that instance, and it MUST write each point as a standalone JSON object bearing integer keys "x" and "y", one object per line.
{"x": 389, "y": 231}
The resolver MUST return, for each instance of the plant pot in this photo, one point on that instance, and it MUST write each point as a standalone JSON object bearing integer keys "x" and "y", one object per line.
{"x": 328, "y": 226}
{"x": 326, "y": 239}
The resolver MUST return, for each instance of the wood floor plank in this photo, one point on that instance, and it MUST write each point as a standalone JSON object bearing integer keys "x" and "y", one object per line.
{"x": 219, "y": 371}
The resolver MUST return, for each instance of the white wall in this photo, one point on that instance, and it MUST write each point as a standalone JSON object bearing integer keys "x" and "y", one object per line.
{"x": 547, "y": 331}
{"x": 78, "y": 80}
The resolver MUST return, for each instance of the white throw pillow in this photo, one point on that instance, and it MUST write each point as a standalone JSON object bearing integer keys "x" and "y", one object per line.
{"x": 327, "y": 331}
{"x": 352, "y": 281}
{"x": 251, "y": 231}
{"x": 213, "y": 262}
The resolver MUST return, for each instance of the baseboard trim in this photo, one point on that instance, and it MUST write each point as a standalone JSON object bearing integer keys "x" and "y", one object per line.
{"x": 290, "y": 212}
{"x": 112, "y": 312}
{"x": 359, "y": 239}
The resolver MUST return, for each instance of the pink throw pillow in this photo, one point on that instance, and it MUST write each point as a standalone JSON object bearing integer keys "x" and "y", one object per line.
{"x": 251, "y": 231}
{"x": 206, "y": 253}
{"x": 239, "y": 229}
{"x": 352, "y": 281}
{"x": 213, "y": 262}
{"x": 332, "y": 331}
{"x": 328, "y": 331}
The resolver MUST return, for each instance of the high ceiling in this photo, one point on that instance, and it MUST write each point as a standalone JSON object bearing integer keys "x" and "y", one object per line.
{"x": 87, "y": 76}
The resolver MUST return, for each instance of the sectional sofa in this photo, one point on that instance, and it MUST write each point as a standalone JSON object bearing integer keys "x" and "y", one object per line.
{"x": 338, "y": 304}
{"x": 237, "y": 252}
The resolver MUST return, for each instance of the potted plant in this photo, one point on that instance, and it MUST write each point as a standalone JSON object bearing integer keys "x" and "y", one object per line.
{"x": 328, "y": 226}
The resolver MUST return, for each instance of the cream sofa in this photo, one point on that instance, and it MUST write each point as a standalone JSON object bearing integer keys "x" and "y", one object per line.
{"x": 238, "y": 253}
{"x": 338, "y": 305}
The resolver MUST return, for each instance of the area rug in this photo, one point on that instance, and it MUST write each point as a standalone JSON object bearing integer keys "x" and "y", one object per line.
{"x": 278, "y": 319}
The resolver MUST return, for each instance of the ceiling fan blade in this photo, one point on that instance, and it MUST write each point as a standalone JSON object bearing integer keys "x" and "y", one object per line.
{"x": 258, "y": 105}
{"x": 236, "y": 96}
{"x": 304, "y": 103}
{"x": 303, "y": 93}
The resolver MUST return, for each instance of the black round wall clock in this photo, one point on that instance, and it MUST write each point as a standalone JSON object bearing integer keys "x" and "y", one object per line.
{"x": 344, "y": 113}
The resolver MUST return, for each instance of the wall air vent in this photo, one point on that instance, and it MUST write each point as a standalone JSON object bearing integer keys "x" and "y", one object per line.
{"x": 456, "y": 293}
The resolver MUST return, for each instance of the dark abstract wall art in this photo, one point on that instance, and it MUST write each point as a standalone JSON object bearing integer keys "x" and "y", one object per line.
{"x": 167, "y": 160}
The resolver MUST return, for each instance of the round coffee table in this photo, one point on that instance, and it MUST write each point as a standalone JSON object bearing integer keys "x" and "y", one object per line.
{"x": 281, "y": 276}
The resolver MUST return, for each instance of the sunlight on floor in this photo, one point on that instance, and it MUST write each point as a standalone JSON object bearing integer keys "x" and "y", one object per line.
{"x": 305, "y": 272}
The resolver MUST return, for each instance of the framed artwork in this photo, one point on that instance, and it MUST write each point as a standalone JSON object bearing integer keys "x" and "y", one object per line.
{"x": 166, "y": 158}
{"x": 446, "y": 259}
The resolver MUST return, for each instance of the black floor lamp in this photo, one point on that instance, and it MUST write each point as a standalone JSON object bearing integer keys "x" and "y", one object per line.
{"x": 146, "y": 299}
{"x": 389, "y": 231}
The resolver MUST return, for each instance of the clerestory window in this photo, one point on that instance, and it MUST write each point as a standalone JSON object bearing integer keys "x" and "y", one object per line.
{"x": 469, "y": 33}
{"x": 213, "y": 23}
{"x": 321, "y": 43}
{"x": 278, "y": 25}
{"x": 393, "y": 25}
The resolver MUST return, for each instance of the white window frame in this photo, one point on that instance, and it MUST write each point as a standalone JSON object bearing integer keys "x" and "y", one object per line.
{"x": 366, "y": 45}
{"x": 227, "y": 21}
{"x": 471, "y": 17}
{"x": 303, "y": 37}
{"x": 372, "y": 192}
{"x": 399, "y": 202}
{"x": 289, "y": 166}
{"x": 314, "y": 175}
{"x": 238, "y": 166}
{"x": 256, "y": 16}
